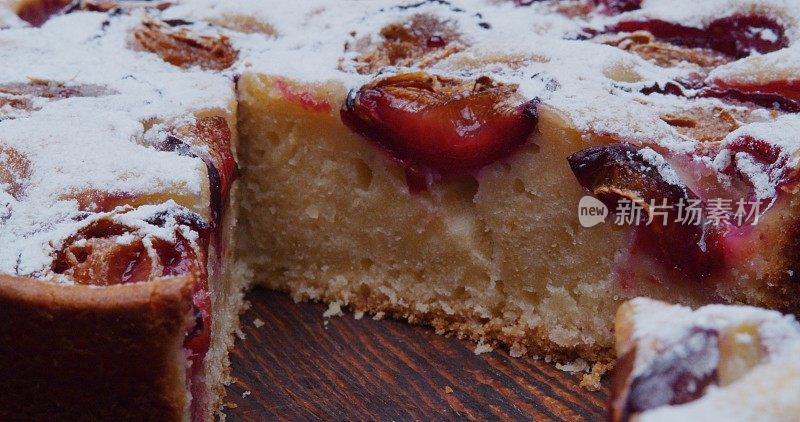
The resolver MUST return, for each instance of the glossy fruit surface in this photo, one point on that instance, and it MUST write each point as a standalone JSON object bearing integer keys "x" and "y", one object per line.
{"x": 440, "y": 125}
{"x": 736, "y": 36}
{"x": 621, "y": 177}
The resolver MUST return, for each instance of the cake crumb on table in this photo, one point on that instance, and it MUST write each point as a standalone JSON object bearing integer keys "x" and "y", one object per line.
{"x": 448, "y": 389}
{"x": 258, "y": 323}
{"x": 483, "y": 347}
{"x": 591, "y": 381}
{"x": 334, "y": 309}
{"x": 579, "y": 365}
{"x": 517, "y": 350}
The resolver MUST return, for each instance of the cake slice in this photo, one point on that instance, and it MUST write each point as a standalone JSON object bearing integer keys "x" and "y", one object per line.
{"x": 717, "y": 362}
{"x": 434, "y": 169}
{"x": 118, "y": 298}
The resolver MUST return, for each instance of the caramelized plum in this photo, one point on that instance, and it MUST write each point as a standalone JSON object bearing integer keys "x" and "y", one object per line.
{"x": 619, "y": 171}
{"x": 18, "y": 95}
{"x": 97, "y": 200}
{"x": 679, "y": 374}
{"x": 736, "y": 36}
{"x": 101, "y": 201}
{"x": 770, "y": 157}
{"x": 15, "y": 169}
{"x": 438, "y": 126}
{"x": 789, "y": 89}
{"x": 619, "y": 6}
{"x": 104, "y": 261}
{"x": 184, "y": 48}
{"x": 782, "y": 96}
{"x": 15, "y": 103}
{"x": 708, "y": 124}
{"x": 644, "y": 44}
{"x": 109, "y": 5}
{"x": 778, "y": 95}
{"x": 210, "y": 139}
{"x": 37, "y": 12}
{"x": 107, "y": 252}
{"x": 420, "y": 41}
{"x": 53, "y": 89}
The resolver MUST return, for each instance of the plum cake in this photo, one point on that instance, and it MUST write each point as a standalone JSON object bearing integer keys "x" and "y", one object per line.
{"x": 117, "y": 298}
{"x": 719, "y": 362}
{"x": 508, "y": 171}
{"x": 427, "y": 160}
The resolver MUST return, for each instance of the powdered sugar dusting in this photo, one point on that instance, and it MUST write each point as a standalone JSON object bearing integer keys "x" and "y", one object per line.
{"x": 93, "y": 143}
{"x": 658, "y": 326}
{"x": 698, "y": 14}
{"x": 664, "y": 169}
{"x": 595, "y": 86}
{"x": 782, "y": 135}
{"x": 781, "y": 65}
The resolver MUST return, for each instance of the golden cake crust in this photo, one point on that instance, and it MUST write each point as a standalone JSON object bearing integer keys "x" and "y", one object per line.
{"x": 80, "y": 352}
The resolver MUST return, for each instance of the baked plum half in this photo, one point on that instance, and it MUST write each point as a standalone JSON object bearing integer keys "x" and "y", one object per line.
{"x": 438, "y": 126}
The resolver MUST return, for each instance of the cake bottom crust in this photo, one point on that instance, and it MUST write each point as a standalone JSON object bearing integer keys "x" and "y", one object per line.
{"x": 528, "y": 342}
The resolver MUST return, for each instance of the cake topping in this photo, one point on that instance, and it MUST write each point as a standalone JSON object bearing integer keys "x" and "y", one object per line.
{"x": 736, "y": 36}
{"x": 53, "y": 90}
{"x": 420, "y": 41}
{"x": 678, "y": 375}
{"x": 645, "y": 44}
{"x": 15, "y": 170}
{"x": 184, "y": 48}
{"x": 619, "y": 6}
{"x": 37, "y": 12}
{"x": 210, "y": 139}
{"x": 80, "y": 113}
{"x": 110, "y": 5}
{"x": 470, "y": 49}
{"x": 623, "y": 175}
{"x": 768, "y": 167}
{"x": 107, "y": 251}
{"x": 437, "y": 125}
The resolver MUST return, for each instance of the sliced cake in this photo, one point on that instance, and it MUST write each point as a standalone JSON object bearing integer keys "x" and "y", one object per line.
{"x": 117, "y": 297}
{"x": 717, "y": 363}
{"x": 427, "y": 160}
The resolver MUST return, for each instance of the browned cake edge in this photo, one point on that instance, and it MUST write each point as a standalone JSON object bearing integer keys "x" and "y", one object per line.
{"x": 80, "y": 352}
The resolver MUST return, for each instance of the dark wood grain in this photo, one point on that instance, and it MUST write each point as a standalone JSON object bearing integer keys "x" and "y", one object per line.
{"x": 296, "y": 367}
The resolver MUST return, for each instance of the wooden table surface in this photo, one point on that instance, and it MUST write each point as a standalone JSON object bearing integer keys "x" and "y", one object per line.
{"x": 297, "y": 367}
